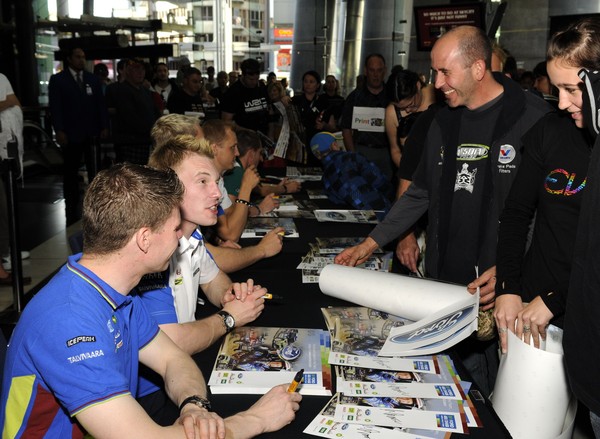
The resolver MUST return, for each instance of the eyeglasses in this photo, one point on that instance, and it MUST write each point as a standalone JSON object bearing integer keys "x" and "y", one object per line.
{"x": 413, "y": 105}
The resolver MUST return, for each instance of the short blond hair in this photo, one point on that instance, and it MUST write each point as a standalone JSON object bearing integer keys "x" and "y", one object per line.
{"x": 176, "y": 149}
{"x": 171, "y": 125}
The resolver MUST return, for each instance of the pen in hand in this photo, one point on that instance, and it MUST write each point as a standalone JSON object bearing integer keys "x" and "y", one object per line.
{"x": 296, "y": 382}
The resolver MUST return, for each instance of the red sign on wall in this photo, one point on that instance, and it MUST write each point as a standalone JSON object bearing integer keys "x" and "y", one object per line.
{"x": 283, "y": 34}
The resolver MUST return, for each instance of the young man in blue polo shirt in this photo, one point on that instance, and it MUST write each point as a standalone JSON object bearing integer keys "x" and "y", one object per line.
{"x": 72, "y": 363}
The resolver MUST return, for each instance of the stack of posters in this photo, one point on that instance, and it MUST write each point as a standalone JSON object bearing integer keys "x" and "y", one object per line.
{"x": 257, "y": 227}
{"x": 348, "y": 216}
{"x": 418, "y": 397}
{"x": 252, "y": 360}
{"x": 323, "y": 252}
{"x": 292, "y": 208}
{"x": 304, "y": 173}
{"x": 316, "y": 194}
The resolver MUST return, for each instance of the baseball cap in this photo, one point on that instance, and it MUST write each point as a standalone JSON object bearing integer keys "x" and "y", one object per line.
{"x": 321, "y": 142}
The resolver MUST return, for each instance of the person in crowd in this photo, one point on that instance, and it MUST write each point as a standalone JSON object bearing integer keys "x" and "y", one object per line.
{"x": 183, "y": 64}
{"x": 229, "y": 256}
{"x": 246, "y": 102}
{"x": 579, "y": 47}
{"x": 360, "y": 81}
{"x": 251, "y": 156}
{"x": 526, "y": 80}
{"x": 156, "y": 97}
{"x": 121, "y": 64}
{"x": 72, "y": 364}
{"x": 349, "y": 178}
{"x": 289, "y": 91}
{"x": 532, "y": 282}
{"x": 271, "y": 77}
{"x": 188, "y": 98}
{"x": 210, "y": 82}
{"x": 367, "y": 104}
{"x": 233, "y": 77}
{"x": 499, "y": 56}
{"x": 285, "y": 126}
{"x": 510, "y": 68}
{"x": 231, "y": 223}
{"x": 133, "y": 113}
{"x": 334, "y": 101}
{"x": 162, "y": 84}
{"x": 463, "y": 189}
{"x": 277, "y": 110}
{"x": 542, "y": 83}
{"x": 11, "y": 120}
{"x": 407, "y": 248}
{"x": 101, "y": 71}
{"x": 408, "y": 99}
{"x": 79, "y": 119}
{"x": 312, "y": 108}
{"x": 171, "y": 296}
{"x": 219, "y": 91}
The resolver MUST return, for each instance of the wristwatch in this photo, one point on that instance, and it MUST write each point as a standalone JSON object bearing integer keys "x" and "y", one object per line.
{"x": 228, "y": 321}
{"x": 195, "y": 399}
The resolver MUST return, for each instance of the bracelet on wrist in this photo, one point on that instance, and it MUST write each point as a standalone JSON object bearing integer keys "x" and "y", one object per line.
{"x": 284, "y": 189}
{"x": 197, "y": 400}
{"x": 258, "y": 211}
{"x": 244, "y": 202}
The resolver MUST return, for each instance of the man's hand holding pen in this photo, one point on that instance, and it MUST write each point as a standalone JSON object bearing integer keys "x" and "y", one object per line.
{"x": 245, "y": 302}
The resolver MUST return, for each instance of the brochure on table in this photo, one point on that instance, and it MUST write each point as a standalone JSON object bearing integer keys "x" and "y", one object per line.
{"x": 324, "y": 425}
{"x": 304, "y": 173}
{"x": 257, "y": 227}
{"x": 347, "y": 216}
{"x": 317, "y": 258}
{"x": 254, "y": 359}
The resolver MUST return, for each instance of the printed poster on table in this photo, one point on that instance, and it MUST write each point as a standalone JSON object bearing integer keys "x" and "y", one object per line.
{"x": 252, "y": 360}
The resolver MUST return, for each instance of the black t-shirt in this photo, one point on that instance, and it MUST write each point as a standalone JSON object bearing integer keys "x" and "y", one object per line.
{"x": 179, "y": 102}
{"x": 218, "y": 94}
{"x": 473, "y": 167}
{"x": 334, "y": 105}
{"x": 309, "y": 113}
{"x": 249, "y": 106}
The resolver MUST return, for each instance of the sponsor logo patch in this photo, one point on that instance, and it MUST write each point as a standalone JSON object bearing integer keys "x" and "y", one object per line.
{"x": 81, "y": 339}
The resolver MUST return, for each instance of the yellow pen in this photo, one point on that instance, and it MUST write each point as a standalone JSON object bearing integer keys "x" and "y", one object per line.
{"x": 269, "y": 296}
{"x": 297, "y": 380}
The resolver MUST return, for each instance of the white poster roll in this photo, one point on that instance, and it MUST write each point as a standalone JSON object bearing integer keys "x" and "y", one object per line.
{"x": 404, "y": 296}
{"x": 531, "y": 394}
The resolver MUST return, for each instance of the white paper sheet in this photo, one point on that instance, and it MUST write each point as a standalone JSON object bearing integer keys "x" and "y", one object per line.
{"x": 404, "y": 296}
{"x": 532, "y": 395}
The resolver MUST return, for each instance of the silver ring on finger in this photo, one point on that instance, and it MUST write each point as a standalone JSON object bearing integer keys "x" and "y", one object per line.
{"x": 526, "y": 328}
